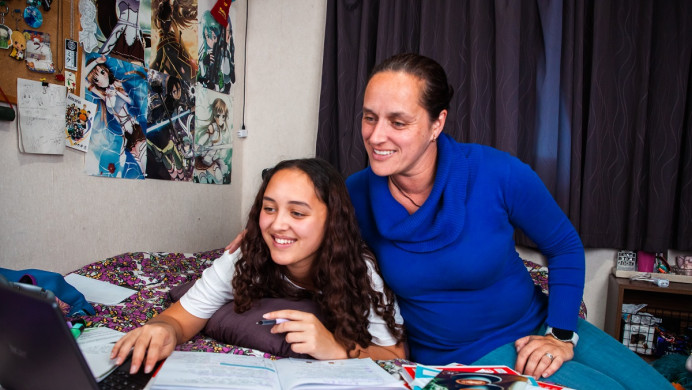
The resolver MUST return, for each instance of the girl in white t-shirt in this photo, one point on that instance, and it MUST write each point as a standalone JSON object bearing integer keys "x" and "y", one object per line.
{"x": 301, "y": 240}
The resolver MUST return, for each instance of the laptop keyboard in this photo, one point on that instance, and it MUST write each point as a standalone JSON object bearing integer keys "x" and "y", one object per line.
{"x": 121, "y": 379}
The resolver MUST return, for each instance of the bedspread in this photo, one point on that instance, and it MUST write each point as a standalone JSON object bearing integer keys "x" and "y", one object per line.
{"x": 152, "y": 274}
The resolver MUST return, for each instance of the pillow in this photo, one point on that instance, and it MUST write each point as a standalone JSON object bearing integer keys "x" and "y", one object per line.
{"x": 175, "y": 293}
{"x": 241, "y": 329}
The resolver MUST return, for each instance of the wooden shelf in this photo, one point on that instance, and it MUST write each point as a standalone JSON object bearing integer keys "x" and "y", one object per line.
{"x": 675, "y": 298}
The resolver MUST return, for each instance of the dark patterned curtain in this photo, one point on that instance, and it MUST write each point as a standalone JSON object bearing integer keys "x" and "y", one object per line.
{"x": 595, "y": 95}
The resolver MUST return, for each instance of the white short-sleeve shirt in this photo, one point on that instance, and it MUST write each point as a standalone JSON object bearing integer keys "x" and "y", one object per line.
{"x": 214, "y": 290}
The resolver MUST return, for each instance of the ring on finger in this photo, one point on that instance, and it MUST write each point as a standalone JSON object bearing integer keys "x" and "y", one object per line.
{"x": 550, "y": 356}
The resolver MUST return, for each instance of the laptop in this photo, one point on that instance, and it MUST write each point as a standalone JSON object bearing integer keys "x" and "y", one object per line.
{"x": 37, "y": 350}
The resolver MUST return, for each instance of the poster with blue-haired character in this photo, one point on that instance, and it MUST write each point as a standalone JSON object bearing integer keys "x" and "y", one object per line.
{"x": 119, "y": 89}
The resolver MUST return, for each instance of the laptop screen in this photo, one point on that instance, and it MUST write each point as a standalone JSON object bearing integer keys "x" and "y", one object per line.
{"x": 37, "y": 350}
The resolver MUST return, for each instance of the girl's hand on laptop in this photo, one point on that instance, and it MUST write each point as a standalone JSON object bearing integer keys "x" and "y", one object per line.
{"x": 155, "y": 340}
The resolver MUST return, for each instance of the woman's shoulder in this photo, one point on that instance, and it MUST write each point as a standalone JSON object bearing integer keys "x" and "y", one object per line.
{"x": 358, "y": 178}
{"x": 357, "y": 183}
{"x": 491, "y": 159}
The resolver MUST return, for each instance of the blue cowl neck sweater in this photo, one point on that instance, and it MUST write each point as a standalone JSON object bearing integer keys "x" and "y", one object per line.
{"x": 462, "y": 288}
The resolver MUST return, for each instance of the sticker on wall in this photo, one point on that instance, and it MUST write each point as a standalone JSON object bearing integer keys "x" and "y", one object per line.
{"x": 170, "y": 128}
{"x": 119, "y": 89}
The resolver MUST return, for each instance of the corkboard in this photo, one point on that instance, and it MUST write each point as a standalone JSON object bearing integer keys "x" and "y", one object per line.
{"x": 11, "y": 69}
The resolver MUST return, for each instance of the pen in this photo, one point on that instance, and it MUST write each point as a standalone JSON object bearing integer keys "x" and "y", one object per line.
{"x": 272, "y": 322}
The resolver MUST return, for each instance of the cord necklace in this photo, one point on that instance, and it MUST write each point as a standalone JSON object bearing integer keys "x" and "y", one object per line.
{"x": 402, "y": 192}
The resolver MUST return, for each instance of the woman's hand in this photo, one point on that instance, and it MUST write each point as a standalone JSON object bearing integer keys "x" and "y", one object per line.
{"x": 307, "y": 335}
{"x": 155, "y": 339}
{"x": 534, "y": 355}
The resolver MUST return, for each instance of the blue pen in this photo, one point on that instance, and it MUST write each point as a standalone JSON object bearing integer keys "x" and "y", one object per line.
{"x": 272, "y": 322}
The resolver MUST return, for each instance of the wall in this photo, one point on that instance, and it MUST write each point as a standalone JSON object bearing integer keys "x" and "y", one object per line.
{"x": 284, "y": 73}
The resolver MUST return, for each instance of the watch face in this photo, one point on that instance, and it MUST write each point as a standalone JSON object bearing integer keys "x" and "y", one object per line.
{"x": 562, "y": 334}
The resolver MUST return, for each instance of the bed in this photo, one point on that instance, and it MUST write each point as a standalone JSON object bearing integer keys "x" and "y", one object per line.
{"x": 153, "y": 274}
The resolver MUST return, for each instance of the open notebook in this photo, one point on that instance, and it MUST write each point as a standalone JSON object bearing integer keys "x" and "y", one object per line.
{"x": 37, "y": 350}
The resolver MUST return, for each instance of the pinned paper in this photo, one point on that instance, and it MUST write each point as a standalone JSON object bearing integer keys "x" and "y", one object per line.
{"x": 41, "y": 116}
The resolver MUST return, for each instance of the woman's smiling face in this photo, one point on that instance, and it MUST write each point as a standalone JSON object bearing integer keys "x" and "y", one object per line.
{"x": 293, "y": 221}
{"x": 396, "y": 128}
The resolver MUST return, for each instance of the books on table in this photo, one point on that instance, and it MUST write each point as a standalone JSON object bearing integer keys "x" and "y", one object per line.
{"x": 196, "y": 370}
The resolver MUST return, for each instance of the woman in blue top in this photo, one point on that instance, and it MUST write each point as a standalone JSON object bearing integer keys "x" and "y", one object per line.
{"x": 440, "y": 217}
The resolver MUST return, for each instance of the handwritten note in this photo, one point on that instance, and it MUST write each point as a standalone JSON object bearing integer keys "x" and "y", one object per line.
{"x": 41, "y": 116}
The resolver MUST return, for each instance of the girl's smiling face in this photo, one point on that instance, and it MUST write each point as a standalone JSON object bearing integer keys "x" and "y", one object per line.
{"x": 293, "y": 221}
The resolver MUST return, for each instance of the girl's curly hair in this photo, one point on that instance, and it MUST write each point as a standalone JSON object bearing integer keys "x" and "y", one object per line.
{"x": 339, "y": 272}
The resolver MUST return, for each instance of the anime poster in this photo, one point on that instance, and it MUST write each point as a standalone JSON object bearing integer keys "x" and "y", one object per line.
{"x": 79, "y": 116}
{"x": 120, "y": 32}
{"x": 174, "y": 38}
{"x": 213, "y": 137}
{"x": 170, "y": 128}
{"x": 216, "y": 50}
{"x": 119, "y": 89}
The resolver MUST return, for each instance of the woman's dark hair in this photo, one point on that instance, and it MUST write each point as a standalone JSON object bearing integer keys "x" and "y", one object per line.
{"x": 437, "y": 93}
{"x": 339, "y": 272}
